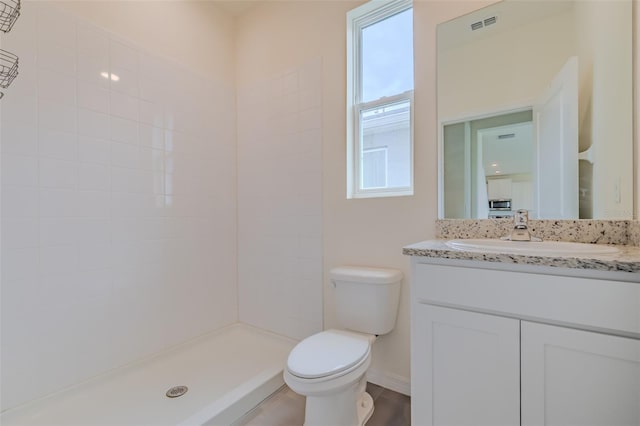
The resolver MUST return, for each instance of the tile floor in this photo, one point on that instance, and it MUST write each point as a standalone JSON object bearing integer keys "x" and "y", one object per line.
{"x": 286, "y": 408}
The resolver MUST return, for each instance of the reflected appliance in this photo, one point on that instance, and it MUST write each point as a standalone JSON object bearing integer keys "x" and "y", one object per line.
{"x": 500, "y": 208}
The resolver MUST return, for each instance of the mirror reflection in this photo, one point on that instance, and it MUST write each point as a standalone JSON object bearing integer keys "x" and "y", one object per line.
{"x": 535, "y": 111}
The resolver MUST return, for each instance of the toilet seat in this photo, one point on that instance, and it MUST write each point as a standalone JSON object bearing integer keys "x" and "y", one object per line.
{"x": 325, "y": 354}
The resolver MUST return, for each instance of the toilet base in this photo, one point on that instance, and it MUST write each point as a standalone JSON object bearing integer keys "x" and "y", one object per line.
{"x": 364, "y": 411}
{"x": 365, "y": 408}
{"x": 351, "y": 407}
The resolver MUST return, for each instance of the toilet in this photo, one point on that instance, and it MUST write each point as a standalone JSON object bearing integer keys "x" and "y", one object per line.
{"x": 329, "y": 368}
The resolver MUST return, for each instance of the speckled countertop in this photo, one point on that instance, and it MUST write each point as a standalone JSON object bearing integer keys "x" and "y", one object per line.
{"x": 620, "y": 232}
{"x": 626, "y": 260}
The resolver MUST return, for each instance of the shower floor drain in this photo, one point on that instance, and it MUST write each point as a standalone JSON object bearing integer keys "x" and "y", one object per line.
{"x": 177, "y": 391}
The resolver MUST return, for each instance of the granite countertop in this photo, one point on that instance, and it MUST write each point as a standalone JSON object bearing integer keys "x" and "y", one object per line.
{"x": 626, "y": 260}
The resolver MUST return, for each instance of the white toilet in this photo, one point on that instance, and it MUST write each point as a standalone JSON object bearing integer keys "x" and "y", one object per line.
{"x": 329, "y": 368}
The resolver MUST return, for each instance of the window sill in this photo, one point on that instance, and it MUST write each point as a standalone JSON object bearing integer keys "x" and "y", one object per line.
{"x": 382, "y": 194}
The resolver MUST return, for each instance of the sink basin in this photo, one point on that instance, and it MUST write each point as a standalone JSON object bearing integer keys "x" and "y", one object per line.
{"x": 531, "y": 248}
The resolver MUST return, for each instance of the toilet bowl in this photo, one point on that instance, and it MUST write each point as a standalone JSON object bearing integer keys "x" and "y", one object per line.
{"x": 329, "y": 368}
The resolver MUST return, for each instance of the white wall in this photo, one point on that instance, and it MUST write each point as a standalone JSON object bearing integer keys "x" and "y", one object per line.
{"x": 195, "y": 34}
{"x": 281, "y": 134}
{"x": 278, "y": 36}
{"x": 495, "y": 81}
{"x": 606, "y": 123}
{"x": 118, "y": 200}
{"x": 280, "y": 199}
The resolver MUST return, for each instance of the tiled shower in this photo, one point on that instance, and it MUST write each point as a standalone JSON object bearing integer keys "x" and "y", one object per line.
{"x": 280, "y": 201}
{"x": 130, "y": 199}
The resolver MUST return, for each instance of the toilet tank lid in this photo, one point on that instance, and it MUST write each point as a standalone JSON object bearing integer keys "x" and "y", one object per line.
{"x": 365, "y": 274}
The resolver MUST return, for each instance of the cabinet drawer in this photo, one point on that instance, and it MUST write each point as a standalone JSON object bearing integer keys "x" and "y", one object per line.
{"x": 600, "y": 305}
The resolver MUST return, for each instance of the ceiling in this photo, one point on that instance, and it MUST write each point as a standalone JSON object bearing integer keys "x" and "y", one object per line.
{"x": 236, "y": 7}
{"x": 508, "y": 149}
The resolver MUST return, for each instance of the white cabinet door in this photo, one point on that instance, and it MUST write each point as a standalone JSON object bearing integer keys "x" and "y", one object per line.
{"x": 465, "y": 368}
{"x": 574, "y": 377}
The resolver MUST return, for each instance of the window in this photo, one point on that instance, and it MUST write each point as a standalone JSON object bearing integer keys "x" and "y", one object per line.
{"x": 379, "y": 99}
{"x": 375, "y": 167}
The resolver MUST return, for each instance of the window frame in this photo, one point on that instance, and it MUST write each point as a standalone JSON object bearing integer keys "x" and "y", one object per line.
{"x": 357, "y": 19}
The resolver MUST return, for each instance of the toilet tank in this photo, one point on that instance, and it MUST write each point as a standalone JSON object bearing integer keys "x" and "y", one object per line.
{"x": 366, "y": 299}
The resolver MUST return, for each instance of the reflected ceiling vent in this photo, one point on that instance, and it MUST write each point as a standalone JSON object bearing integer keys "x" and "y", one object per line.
{"x": 477, "y": 25}
{"x": 507, "y": 136}
{"x": 484, "y": 23}
{"x": 490, "y": 21}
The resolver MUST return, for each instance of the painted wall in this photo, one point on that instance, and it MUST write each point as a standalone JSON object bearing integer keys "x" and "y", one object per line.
{"x": 278, "y": 36}
{"x": 194, "y": 34}
{"x": 495, "y": 81}
{"x": 118, "y": 197}
{"x": 606, "y": 111}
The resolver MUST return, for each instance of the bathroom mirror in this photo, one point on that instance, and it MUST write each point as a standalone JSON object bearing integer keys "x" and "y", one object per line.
{"x": 535, "y": 106}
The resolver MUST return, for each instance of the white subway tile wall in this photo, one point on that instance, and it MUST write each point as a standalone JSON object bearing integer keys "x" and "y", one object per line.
{"x": 118, "y": 204}
{"x": 280, "y": 202}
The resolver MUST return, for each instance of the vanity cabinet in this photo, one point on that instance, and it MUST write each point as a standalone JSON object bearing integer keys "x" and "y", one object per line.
{"x": 494, "y": 347}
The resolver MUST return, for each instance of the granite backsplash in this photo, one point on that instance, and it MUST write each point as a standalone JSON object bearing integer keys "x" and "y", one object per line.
{"x": 623, "y": 232}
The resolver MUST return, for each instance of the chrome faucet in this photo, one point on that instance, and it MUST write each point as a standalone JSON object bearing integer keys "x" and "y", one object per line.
{"x": 520, "y": 230}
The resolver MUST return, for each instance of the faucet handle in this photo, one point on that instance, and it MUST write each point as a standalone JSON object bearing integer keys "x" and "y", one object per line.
{"x": 521, "y": 228}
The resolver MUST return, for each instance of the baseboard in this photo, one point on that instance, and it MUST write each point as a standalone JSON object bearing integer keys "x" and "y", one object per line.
{"x": 391, "y": 381}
